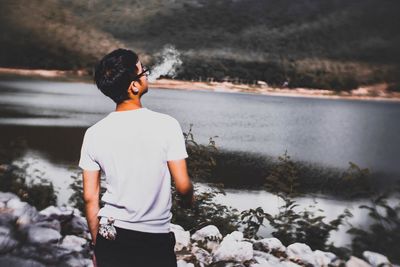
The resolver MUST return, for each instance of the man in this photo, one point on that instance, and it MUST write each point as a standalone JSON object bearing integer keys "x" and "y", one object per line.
{"x": 138, "y": 150}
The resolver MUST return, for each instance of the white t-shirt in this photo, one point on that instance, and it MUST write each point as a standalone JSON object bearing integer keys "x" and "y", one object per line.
{"x": 132, "y": 149}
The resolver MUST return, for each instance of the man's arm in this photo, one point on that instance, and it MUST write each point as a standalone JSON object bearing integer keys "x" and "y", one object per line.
{"x": 91, "y": 194}
{"x": 184, "y": 186}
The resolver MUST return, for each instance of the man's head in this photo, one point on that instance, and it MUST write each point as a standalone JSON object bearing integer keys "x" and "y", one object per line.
{"x": 117, "y": 75}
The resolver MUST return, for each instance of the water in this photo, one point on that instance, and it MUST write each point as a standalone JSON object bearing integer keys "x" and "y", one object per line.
{"x": 326, "y": 132}
{"x": 52, "y": 118}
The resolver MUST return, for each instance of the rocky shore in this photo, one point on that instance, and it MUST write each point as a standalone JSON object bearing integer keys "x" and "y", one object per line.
{"x": 58, "y": 236}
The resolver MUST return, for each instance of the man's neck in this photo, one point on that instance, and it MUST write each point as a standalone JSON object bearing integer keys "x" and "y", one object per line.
{"x": 129, "y": 105}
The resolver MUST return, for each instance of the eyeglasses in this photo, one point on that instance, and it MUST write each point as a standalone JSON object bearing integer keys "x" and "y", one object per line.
{"x": 145, "y": 71}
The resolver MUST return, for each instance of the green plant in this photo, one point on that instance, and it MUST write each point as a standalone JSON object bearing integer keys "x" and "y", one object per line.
{"x": 205, "y": 211}
{"x": 76, "y": 198}
{"x": 284, "y": 177}
{"x": 40, "y": 194}
{"x": 201, "y": 157}
{"x": 358, "y": 179}
{"x": 304, "y": 226}
{"x": 383, "y": 233}
{"x": 291, "y": 225}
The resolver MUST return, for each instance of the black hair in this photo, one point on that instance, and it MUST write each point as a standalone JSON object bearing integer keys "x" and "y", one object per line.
{"x": 113, "y": 74}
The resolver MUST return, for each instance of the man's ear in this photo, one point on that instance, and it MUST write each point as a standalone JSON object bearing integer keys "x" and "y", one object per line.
{"x": 134, "y": 89}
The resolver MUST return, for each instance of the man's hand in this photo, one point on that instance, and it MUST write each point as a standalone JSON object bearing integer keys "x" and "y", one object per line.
{"x": 91, "y": 194}
{"x": 183, "y": 185}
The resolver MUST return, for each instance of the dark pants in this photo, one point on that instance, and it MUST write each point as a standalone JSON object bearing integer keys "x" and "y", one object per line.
{"x": 136, "y": 249}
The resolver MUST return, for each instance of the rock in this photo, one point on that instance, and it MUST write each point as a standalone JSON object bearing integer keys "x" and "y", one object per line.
{"x": 59, "y": 213}
{"x": 301, "y": 252}
{"x": 182, "y": 237}
{"x": 74, "y": 261}
{"x": 324, "y": 258}
{"x": 208, "y": 236}
{"x": 6, "y": 219}
{"x": 231, "y": 249}
{"x": 77, "y": 226}
{"x": 7, "y": 243}
{"x": 376, "y": 259}
{"x": 356, "y": 262}
{"x": 53, "y": 224}
{"x": 234, "y": 236}
{"x": 264, "y": 258}
{"x": 19, "y": 262}
{"x": 73, "y": 243}
{"x": 289, "y": 264}
{"x": 42, "y": 235}
{"x": 210, "y": 232}
{"x": 6, "y": 196}
{"x": 182, "y": 263}
{"x": 202, "y": 255}
{"x": 24, "y": 212}
{"x": 47, "y": 253}
{"x": 269, "y": 245}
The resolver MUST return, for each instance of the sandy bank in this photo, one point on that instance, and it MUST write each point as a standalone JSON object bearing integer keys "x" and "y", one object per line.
{"x": 371, "y": 92}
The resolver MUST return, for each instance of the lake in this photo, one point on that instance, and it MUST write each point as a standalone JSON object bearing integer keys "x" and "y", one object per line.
{"x": 52, "y": 118}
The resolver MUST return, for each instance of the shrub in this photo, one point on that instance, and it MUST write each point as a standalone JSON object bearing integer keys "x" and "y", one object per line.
{"x": 291, "y": 225}
{"x": 383, "y": 234}
{"x": 39, "y": 195}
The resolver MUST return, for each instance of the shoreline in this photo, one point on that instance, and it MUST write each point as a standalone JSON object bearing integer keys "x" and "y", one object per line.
{"x": 375, "y": 92}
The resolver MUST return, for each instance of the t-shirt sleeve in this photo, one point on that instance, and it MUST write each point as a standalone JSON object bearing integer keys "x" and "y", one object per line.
{"x": 87, "y": 161}
{"x": 176, "y": 148}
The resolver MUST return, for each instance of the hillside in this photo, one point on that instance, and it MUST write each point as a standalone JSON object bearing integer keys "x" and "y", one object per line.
{"x": 43, "y": 34}
{"x": 335, "y": 44}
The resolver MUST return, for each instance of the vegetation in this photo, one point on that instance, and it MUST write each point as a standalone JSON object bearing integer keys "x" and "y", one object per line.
{"x": 205, "y": 212}
{"x": 291, "y": 225}
{"x": 335, "y": 44}
{"x": 229, "y": 168}
{"x": 383, "y": 233}
{"x": 39, "y": 193}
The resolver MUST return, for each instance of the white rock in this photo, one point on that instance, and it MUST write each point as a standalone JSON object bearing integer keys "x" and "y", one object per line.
{"x": 13, "y": 261}
{"x": 210, "y": 232}
{"x": 24, "y": 212}
{"x": 356, "y": 262}
{"x": 208, "y": 235}
{"x": 77, "y": 262}
{"x": 376, "y": 259}
{"x": 182, "y": 263}
{"x": 182, "y": 237}
{"x": 41, "y": 235}
{"x": 302, "y": 252}
{"x": 324, "y": 258}
{"x": 6, "y": 196}
{"x": 202, "y": 255}
{"x": 52, "y": 211}
{"x": 7, "y": 243}
{"x": 265, "y": 258}
{"x": 269, "y": 244}
{"x": 76, "y": 226}
{"x": 232, "y": 250}
{"x": 289, "y": 264}
{"x": 234, "y": 236}
{"x": 73, "y": 243}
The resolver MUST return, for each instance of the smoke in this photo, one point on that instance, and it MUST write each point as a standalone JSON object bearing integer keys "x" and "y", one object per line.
{"x": 167, "y": 64}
